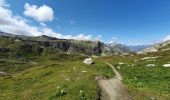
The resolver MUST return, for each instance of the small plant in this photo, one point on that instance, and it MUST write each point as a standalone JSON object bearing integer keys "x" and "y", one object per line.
{"x": 82, "y": 95}
{"x": 60, "y": 92}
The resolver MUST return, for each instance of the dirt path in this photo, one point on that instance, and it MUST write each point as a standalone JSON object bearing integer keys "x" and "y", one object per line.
{"x": 113, "y": 89}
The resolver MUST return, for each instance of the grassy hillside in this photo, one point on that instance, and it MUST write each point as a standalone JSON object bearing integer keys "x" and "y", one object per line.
{"x": 54, "y": 79}
{"x": 144, "y": 82}
{"x": 29, "y": 71}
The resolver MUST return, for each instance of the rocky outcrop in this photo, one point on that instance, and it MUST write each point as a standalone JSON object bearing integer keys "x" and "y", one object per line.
{"x": 36, "y": 45}
{"x": 118, "y": 48}
{"x": 162, "y": 46}
{"x": 73, "y": 46}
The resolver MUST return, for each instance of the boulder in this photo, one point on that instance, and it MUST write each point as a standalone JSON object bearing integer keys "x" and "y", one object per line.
{"x": 166, "y": 65}
{"x": 88, "y": 61}
{"x": 150, "y": 65}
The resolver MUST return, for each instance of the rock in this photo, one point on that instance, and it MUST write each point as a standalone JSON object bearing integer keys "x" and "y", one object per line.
{"x": 18, "y": 40}
{"x": 150, "y": 65}
{"x": 151, "y": 60}
{"x": 118, "y": 67}
{"x": 2, "y": 73}
{"x": 120, "y": 63}
{"x": 83, "y": 71}
{"x": 148, "y": 58}
{"x": 88, "y": 61}
{"x": 125, "y": 54}
{"x": 152, "y": 98}
{"x": 33, "y": 63}
{"x": 67, "y": 79}
{"x": 100, "y": 77}
{"x": 166, "y": 65}
{"x": 135, "y": 60}
{"x": 128, "y": 65}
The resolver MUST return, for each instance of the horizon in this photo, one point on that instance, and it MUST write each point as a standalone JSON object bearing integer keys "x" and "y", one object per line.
{"x": 84, "y": 40}
{"x": 127, "y": 22}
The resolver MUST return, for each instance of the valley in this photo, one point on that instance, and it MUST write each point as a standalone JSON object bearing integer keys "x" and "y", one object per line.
{"x": 45, "y": 68}
{"x": 84, "y": 50}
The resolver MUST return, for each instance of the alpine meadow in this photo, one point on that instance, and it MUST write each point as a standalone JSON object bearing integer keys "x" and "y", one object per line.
{"x": 85, "y": 50}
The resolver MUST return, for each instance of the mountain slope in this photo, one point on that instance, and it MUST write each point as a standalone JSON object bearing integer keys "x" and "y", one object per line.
{"x": 39, "y": 44}
{"x": 137, "y": 48}
{"x": 118, "y": 48}
{"x": 159, "y": 47}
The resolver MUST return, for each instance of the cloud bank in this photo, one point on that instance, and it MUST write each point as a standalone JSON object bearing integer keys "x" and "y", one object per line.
{"x": 18, "y": 25}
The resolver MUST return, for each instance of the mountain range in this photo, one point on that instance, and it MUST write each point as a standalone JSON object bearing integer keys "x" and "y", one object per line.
{"x": 41, "y": 44}
{"x": 137, "y": 48}
{"x": 25, "y": 45}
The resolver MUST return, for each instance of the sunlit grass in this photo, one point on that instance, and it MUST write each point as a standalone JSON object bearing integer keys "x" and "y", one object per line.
{"x": 57, "y": 80}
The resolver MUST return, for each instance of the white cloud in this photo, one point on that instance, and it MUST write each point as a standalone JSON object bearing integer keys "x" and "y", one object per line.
{"x": 14, "y": 24}
{"x": 42, "y": 14}
{"x": 19, "y": 26}
{"x": 99, "y": 38}
{"x": 167, "y": 38}
{"x": 3, "y": 3}
{"x": 82, "y": 37}
{"x": 50, "y": 32}
{"x": 113, "y": 40}
{"x": 43, "y": 24}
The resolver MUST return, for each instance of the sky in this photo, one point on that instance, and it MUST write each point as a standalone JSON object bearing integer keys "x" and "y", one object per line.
{"x": 130, "y": 22}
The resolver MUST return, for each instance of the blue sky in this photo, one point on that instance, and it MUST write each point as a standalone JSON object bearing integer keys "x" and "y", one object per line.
{"x": 125, "y": 21}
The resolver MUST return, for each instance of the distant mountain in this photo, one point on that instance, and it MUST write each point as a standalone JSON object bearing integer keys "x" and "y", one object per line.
{"x": 137, "y": 48}
{"x": 27, "y": 45}
{"x": 159, "y": 47}
{"x": 118, "y": 48}
{"x": 6, "y": 34}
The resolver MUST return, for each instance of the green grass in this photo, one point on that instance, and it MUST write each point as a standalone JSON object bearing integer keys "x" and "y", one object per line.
{"x": 51, "y": 80}
{"x": 153, "y": 80}
{"x": 52, "y": 75}
{"x": 144, "y": 82}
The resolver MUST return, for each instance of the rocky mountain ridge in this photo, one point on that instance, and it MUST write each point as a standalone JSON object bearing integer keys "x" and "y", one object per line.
{"x": 159, "y": 47}
{"x": 42, "y": 43}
